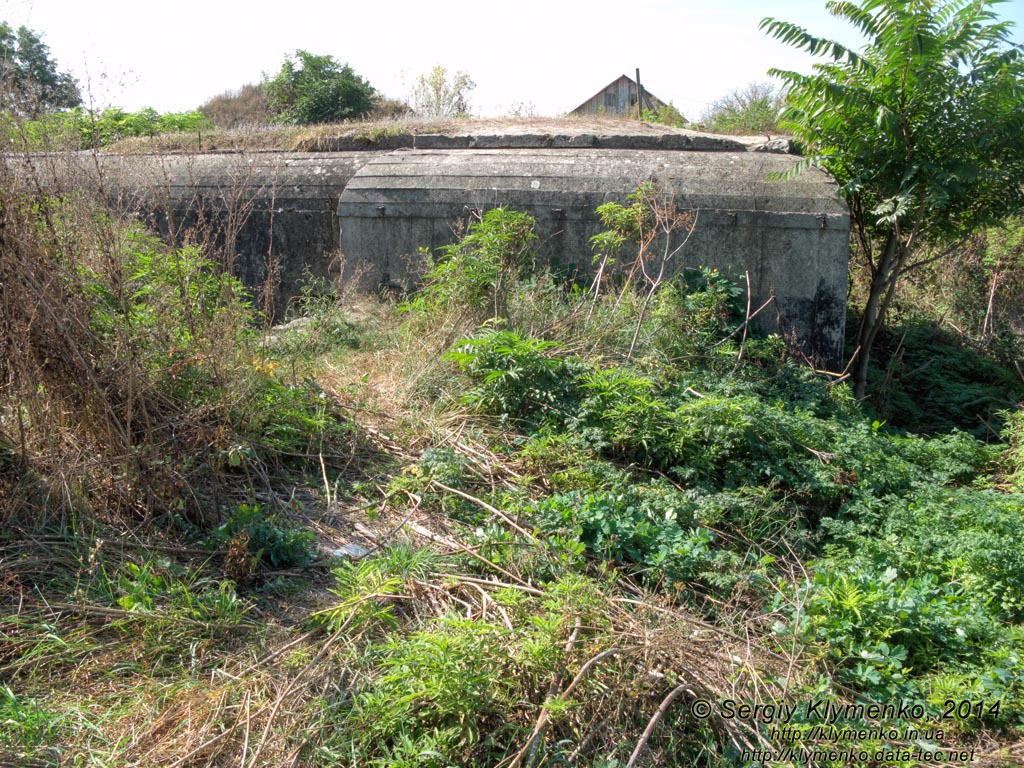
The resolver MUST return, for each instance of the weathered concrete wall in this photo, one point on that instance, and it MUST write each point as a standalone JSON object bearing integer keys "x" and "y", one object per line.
{"x": 792, "y": 237}
{"x": 265, "y": 210}
{"x": 275, "y": 212}
{"x": 282, "y": 216}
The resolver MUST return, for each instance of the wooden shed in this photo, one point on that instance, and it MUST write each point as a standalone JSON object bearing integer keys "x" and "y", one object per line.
{"x": 619, "y": 97}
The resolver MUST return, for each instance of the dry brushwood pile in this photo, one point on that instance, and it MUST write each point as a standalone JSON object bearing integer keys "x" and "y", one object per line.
{"x": 509, "y": 522}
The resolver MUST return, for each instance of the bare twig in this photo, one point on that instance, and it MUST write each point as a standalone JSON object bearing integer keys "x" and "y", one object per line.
{"x": 484, "y": 505}
{"x": 426, "y": 532}
{"x": 746, "y": 323}
{"x": 665, "y": 704}
{"x": 517, "y": 759}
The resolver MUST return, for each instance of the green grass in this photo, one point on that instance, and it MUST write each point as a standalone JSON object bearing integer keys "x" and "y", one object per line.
{"x": 582, "y": 514}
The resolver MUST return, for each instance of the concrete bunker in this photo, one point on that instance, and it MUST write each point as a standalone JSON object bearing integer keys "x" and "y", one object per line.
{"x": 792, "y": 236}
{"x": 275, "y": 212}
{"x": 287, "y": 215}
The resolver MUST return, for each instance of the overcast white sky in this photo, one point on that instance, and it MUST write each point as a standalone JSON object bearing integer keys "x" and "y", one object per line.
{"x": 545, "y": 54}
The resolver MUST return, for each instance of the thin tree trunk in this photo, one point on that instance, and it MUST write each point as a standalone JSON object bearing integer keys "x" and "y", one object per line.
{"x": 986, "y": 326}
{"x": 891, "y": 264}
{"x": 873, "y": 315}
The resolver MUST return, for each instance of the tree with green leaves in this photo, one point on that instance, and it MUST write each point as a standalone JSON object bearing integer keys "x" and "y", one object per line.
{"x": 749, "y": 110}
{"x": 921, "y": 129}
{"x": 438, "y": 95}
{"x": 317, "y": 89}
{"x": 30, "y": 84}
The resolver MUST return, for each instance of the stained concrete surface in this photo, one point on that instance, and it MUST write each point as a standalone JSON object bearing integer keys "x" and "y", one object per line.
{"x": 285, "y": 216}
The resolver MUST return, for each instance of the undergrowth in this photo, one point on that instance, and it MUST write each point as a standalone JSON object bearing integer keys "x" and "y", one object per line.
{"x": 133, "y": 381}
{"x": 594, "y": 521}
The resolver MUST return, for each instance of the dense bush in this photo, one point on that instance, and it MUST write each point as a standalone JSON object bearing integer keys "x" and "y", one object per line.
{"x": 962, "y": 536}
{"x": 919, "y": 588}
{"x": 653, "y": 526}
{"x": 667, "y": 114}
{"x": 931, "y": 380}
{"x": 474, "y": 276}
{"x": 268, "y": 537}
{"x": 753, "y": 109}
{"x": 885, "y": 631}
{"x": 519, "y": 377}
{"x": 131, "y": 327}
{"x": 982, "y": 293}
{"x": 316, "y": 89}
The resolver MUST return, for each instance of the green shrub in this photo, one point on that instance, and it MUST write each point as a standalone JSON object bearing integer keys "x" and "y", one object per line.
{"x": 474, "y": 277}
{"x": 439, "y": 692}
{"x": 288, "y": 425}
{"x": 652, "y": 526}
{"x": 1013, "y": 433}
{"x": 918, "y": 585}
{"x": 883, "y": 629}
{"x": 667, "y": 114}
{"x": 171, "y": 311}
{"x": 752, "y": 109}
{"x": 691, "y": 316}
{"x": 317, "y": 89}
{"x": 270, "y": 537}
{"x": 964, "y": 536}
{"x": 86, "y": 129}
{"x": 570, "y": 462}
{"x": 517, "y": 377}
{"x": 368, "y": 589}
{"x": 186, "y": 326}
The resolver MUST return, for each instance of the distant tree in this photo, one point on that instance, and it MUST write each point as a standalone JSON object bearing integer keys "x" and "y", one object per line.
{"x": 438, "y": 95}
{"x": 521, "y": 109}
{"x": 30, "y": 84}
{"x": 921, "y": 129}
{"x": 233, "y": 109}
{"x": 317, "y": 89}
{"x": 749, "y": 110}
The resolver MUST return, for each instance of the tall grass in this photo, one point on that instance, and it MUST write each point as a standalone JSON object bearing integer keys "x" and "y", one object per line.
{"x": 132, "y": 380}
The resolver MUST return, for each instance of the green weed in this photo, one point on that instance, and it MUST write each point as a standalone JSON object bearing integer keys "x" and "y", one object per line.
{"x": 26, "y": 723}
{"x": 269, "y": 537}
{"x": 369, "y": 590}
{"x": 475, "y": 276}
{"x": 518, "y": 377}
{"x": 79, "y": 128}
